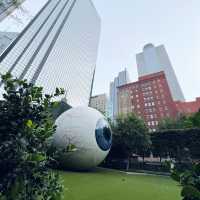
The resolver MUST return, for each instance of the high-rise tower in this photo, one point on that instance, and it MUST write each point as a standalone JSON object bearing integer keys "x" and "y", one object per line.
{"x": 58, "y": 49}
{"x": 155, "y": 59}
{"x": 121, "y": 79}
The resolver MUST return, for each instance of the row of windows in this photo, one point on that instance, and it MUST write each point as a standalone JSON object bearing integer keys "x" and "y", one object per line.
{"x": 152, "y": 123}
{"x": 149, "y": 104}
{"x": 148, "y": 98}
{"x": 150, "y": 110}
{"x": 152, "y": 116}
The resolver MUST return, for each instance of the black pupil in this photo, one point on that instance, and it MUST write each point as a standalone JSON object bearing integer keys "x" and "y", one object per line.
{"x": 103, "y": 135}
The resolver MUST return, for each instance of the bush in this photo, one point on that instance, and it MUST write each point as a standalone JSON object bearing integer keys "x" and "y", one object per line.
{"x": 25, "y": 128}
{"x": 190, "y": 181}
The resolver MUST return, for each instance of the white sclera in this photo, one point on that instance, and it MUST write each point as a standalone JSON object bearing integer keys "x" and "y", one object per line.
{"x": 77, "y": 126}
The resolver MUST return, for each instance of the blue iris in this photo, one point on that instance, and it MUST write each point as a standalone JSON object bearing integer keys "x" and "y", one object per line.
{"x": 103, "y": 134}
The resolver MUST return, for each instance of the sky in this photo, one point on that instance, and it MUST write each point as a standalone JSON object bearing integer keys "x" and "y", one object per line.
{"x": 127, "y": 25}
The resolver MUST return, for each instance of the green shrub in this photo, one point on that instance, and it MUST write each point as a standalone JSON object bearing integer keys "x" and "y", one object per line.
{"x": 26, "y": 124}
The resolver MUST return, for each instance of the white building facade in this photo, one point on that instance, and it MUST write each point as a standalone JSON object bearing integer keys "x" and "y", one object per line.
{"x": 122, "y": 79}
{"x": 155, "y": 59}
{"x": 58, "y": 48}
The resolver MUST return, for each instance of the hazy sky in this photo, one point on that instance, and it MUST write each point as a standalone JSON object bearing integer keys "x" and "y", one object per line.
{"x": 127, "y": 25}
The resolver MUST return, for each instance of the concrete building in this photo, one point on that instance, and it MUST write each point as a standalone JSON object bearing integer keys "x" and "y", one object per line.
{"x": 149, "y": 98}
{"x": 155, "y": 59}
{"x": 121, "y": 79}
{"x": 5, "y": 39}
{"x": 100, "y": 103}
{"x": 58, "y": 48}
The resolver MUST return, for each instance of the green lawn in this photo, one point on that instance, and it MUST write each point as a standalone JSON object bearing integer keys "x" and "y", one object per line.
{"x": 112, "y": 185}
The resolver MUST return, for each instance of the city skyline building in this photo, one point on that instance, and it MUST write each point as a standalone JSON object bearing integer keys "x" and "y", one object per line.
{"x": 58, "y": 48}
{"x": 5, "y": 39}
{"x": 100, "y": 103}
{"x": 149, "y": 98}
{"x": 122, "y": 79}
{"x": 155, "y": 59}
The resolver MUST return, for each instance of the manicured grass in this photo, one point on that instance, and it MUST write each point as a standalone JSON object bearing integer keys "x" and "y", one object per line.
{"x": 112, "y": 185}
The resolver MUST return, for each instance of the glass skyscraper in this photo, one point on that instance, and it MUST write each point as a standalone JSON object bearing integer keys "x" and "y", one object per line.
{"x": 122, "y": 79}
{"x": 58, "y": 49}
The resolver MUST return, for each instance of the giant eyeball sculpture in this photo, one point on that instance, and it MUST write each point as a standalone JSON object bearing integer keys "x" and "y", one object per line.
{"x": 87, "y": 130}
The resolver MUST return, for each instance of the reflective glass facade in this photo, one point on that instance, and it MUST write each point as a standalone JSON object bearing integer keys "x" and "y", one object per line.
{"x": 58, "y": 49}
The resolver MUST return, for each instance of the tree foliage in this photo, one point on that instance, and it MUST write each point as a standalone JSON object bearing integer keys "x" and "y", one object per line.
{"x": 183, "y": 122}
{"x": 190, "y": 181}
{"x": 130, "y": 135}
{"x": 174, "y": 142}
{"x": 26, "y": 125}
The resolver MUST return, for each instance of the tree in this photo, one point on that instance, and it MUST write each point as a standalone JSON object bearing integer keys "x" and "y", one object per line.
{"x": 174, "y": 142}
{"x": 190, "y": 181}
{"x": 25, "y": 128}
{"x": 168, "y": 123}
{"x": 196, "y": 119}
{"x": 130, "y": 135}
{"x": 183, "y": 122}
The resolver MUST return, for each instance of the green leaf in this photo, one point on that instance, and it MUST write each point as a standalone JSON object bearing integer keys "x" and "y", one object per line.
{"x": 71, "y": 147}
{"x": 190, "y": 192}
{"x": 29, "y": 123}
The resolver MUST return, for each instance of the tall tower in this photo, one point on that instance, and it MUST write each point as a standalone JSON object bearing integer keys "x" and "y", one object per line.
{"x": 121, "y": 79}
{"x": 58, "y": 48}
{"x": 155, "y": 59}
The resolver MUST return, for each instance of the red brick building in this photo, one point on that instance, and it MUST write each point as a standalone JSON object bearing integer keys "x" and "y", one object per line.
{"x": 188, "y": 108}
{"x": 149, "y": 98}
